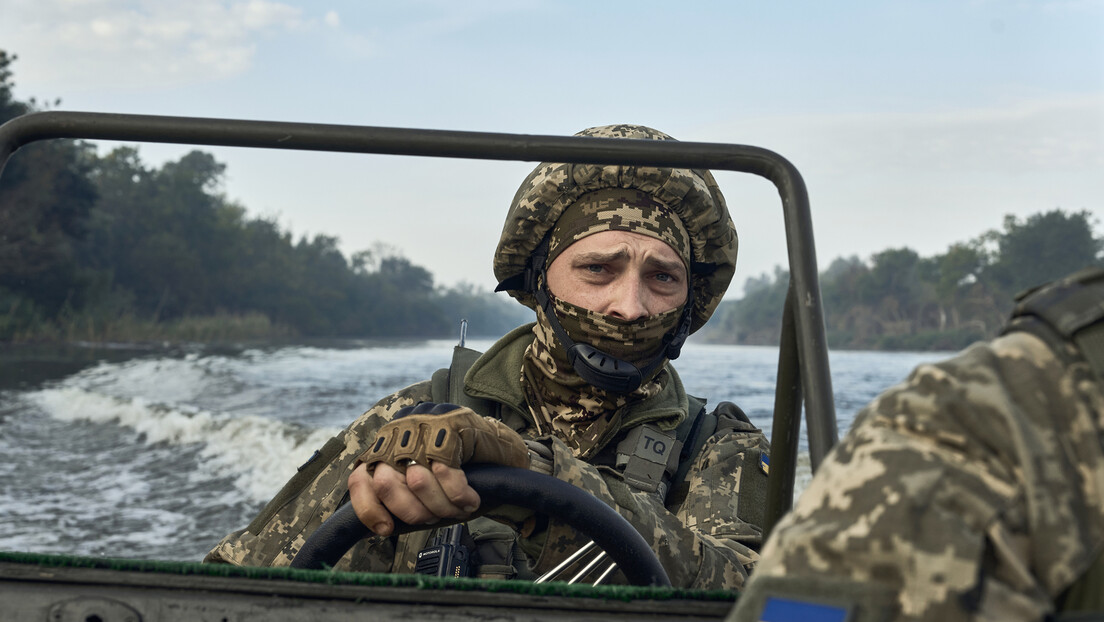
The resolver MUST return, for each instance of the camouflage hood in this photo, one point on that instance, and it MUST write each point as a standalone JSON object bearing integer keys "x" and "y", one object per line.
{"x": 692, "y": 194}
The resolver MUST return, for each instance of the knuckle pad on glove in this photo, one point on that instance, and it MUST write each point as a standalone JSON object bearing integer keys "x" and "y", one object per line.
{"x": 456, "y": 437}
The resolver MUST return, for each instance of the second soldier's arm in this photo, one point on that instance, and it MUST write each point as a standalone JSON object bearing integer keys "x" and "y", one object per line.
{"x": 972, "y": 491}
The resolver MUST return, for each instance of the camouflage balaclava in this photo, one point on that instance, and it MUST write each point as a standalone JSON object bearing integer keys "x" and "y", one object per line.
{"x": 561, "y": 401}
{"x": 564, "y": 403}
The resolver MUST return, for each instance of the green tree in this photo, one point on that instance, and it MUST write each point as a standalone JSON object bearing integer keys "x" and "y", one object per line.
{"x": 1041, "y": 248}
{"x": 955, "y": 277}
{"x": 893, "y": 281}
{"x": 413, "y": 309}
{"x": 755, "y": 319}
{"x": 488, "y": 315}
{"x": 841, "y": 283}
{"x": 163, "y": 234}
{"x": 45, "y": 199}
{"x": 9, "y": 107}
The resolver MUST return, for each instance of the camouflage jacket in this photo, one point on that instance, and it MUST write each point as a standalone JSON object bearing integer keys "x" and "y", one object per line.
{"x": 972, "y": 491}
{"x": 700, "y": 542}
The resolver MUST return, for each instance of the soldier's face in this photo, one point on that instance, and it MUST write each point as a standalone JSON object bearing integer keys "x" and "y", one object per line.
{"x": 618, "y": 273}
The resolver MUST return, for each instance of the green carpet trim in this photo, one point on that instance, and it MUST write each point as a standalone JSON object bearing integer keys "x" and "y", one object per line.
{"x": 606, "y": 592}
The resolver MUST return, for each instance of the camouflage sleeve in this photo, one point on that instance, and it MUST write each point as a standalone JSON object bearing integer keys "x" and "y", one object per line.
{"x": 971, "y": 491}
{"x": 313, "y": 494}
{"x": 702, "y": 545}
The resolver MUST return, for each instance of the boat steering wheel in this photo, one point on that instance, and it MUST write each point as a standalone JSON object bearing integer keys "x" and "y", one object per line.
{"x": 502, "y": 485}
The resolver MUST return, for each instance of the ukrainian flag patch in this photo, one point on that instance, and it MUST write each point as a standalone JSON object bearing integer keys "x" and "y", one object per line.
{"x": 788, "y": 610}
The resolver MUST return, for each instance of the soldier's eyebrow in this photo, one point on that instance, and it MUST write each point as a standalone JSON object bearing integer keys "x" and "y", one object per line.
{"x": 590, "y": 258}
{"x": 666, "y": 265}
{"x": 593, "y": 257}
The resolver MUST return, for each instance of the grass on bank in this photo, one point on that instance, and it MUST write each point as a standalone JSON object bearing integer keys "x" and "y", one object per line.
{"x": 227, "y": 328}
{"x": 219, "y": 328}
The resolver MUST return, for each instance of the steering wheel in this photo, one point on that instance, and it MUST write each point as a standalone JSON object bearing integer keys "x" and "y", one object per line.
{"x": 502, "y": 485}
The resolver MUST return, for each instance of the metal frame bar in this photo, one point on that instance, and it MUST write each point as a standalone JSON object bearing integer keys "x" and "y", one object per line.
{"x": 809, "y": 342}
{"x": 785, "y": 437}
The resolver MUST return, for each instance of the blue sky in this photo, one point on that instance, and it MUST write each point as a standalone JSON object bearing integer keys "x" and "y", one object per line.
{"x": 914, "y": 123}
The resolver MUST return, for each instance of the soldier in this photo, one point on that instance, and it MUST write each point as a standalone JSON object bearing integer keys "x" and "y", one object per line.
{"x": 972, "y": 491}
{"x": 616, "y": 260}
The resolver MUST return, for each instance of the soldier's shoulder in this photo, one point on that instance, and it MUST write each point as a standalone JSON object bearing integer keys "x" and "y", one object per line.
{"x": 384, "y": 410}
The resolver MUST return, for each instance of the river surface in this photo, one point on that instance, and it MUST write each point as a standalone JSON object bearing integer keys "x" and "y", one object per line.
{"x": 157, "y": 453}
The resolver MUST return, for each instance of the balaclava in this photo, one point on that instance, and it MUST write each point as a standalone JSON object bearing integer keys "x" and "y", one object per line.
{"x": 563, "y": 402}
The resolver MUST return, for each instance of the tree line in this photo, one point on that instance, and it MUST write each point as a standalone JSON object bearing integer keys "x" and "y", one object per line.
{"x": 102, "y": 247}
{"x": 91, "y": 243}
{"x": 898, "y": 300}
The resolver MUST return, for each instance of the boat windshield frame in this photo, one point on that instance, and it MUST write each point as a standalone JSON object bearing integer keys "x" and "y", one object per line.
{"x": 804, "y": 377}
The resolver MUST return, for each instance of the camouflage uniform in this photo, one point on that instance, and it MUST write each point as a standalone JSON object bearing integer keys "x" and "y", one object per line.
{"x": 699, "y": 539}
{"x": 700, "y": 542}
{"x": 972, "y": 491}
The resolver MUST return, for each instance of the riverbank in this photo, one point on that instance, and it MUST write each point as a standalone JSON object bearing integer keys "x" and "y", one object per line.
{"x": 219, "y": 328}
{"x": 951, "y": 340}
{"x": 255, "y": 327}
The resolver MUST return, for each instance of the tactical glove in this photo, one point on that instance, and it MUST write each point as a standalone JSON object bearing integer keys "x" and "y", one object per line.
{"x": 446, "y": 433}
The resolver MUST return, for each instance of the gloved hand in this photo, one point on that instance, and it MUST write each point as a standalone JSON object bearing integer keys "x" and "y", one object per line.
{"x": 445, "y": 433}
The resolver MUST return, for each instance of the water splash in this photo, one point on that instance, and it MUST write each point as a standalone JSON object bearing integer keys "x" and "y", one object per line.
{"x": 259, "y": 454}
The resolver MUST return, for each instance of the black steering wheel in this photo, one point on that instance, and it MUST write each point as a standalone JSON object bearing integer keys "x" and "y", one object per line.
{"x": 502, "y": 485}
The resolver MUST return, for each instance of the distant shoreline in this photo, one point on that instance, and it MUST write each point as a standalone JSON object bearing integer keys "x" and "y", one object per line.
{"x": 128, "y": 333}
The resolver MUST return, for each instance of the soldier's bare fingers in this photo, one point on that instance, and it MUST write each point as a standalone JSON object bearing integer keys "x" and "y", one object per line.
{"x": 392, "y": 490}
{"x": 366, "y": 505}
{"x": 424, "y": 484}
{"x": 455, "y": 485}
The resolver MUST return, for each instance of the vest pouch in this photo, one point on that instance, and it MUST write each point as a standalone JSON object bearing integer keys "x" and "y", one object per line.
{"x": 497, "y": 555}
{"x": 752, "y": 506}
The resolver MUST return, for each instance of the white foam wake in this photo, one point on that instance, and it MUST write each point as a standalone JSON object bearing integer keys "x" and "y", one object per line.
{"x": 258, "y": 454}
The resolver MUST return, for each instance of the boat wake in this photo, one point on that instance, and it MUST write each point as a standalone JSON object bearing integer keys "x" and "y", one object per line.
{"x": 257, "y": 453}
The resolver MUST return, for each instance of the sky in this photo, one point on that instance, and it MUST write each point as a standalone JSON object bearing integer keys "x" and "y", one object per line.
{"x": 917, "y": 123}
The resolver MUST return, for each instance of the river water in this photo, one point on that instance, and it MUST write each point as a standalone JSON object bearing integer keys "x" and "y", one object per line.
{"x": 156, "y": 454}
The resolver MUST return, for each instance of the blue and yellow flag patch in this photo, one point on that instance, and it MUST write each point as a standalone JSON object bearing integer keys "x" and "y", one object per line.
{"x": 789, "y": 610}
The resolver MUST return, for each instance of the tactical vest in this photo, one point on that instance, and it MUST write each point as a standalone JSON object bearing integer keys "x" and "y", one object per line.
{"x": 650, "y": 459}
{"x": 1071, "y": 311}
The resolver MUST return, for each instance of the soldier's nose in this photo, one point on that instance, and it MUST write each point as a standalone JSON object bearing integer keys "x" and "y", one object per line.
{"x": 628, "y": 301}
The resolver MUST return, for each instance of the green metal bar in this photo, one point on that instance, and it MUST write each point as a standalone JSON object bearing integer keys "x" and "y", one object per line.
{"x": 812, "y": 343}
{"x": 786, "y": 429}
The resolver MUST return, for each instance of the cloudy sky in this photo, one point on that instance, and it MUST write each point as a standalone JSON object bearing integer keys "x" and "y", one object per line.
{"x": 915, "y": 123}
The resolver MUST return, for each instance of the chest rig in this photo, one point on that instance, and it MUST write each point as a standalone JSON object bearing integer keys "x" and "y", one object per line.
{"x": 648, "y": 458}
